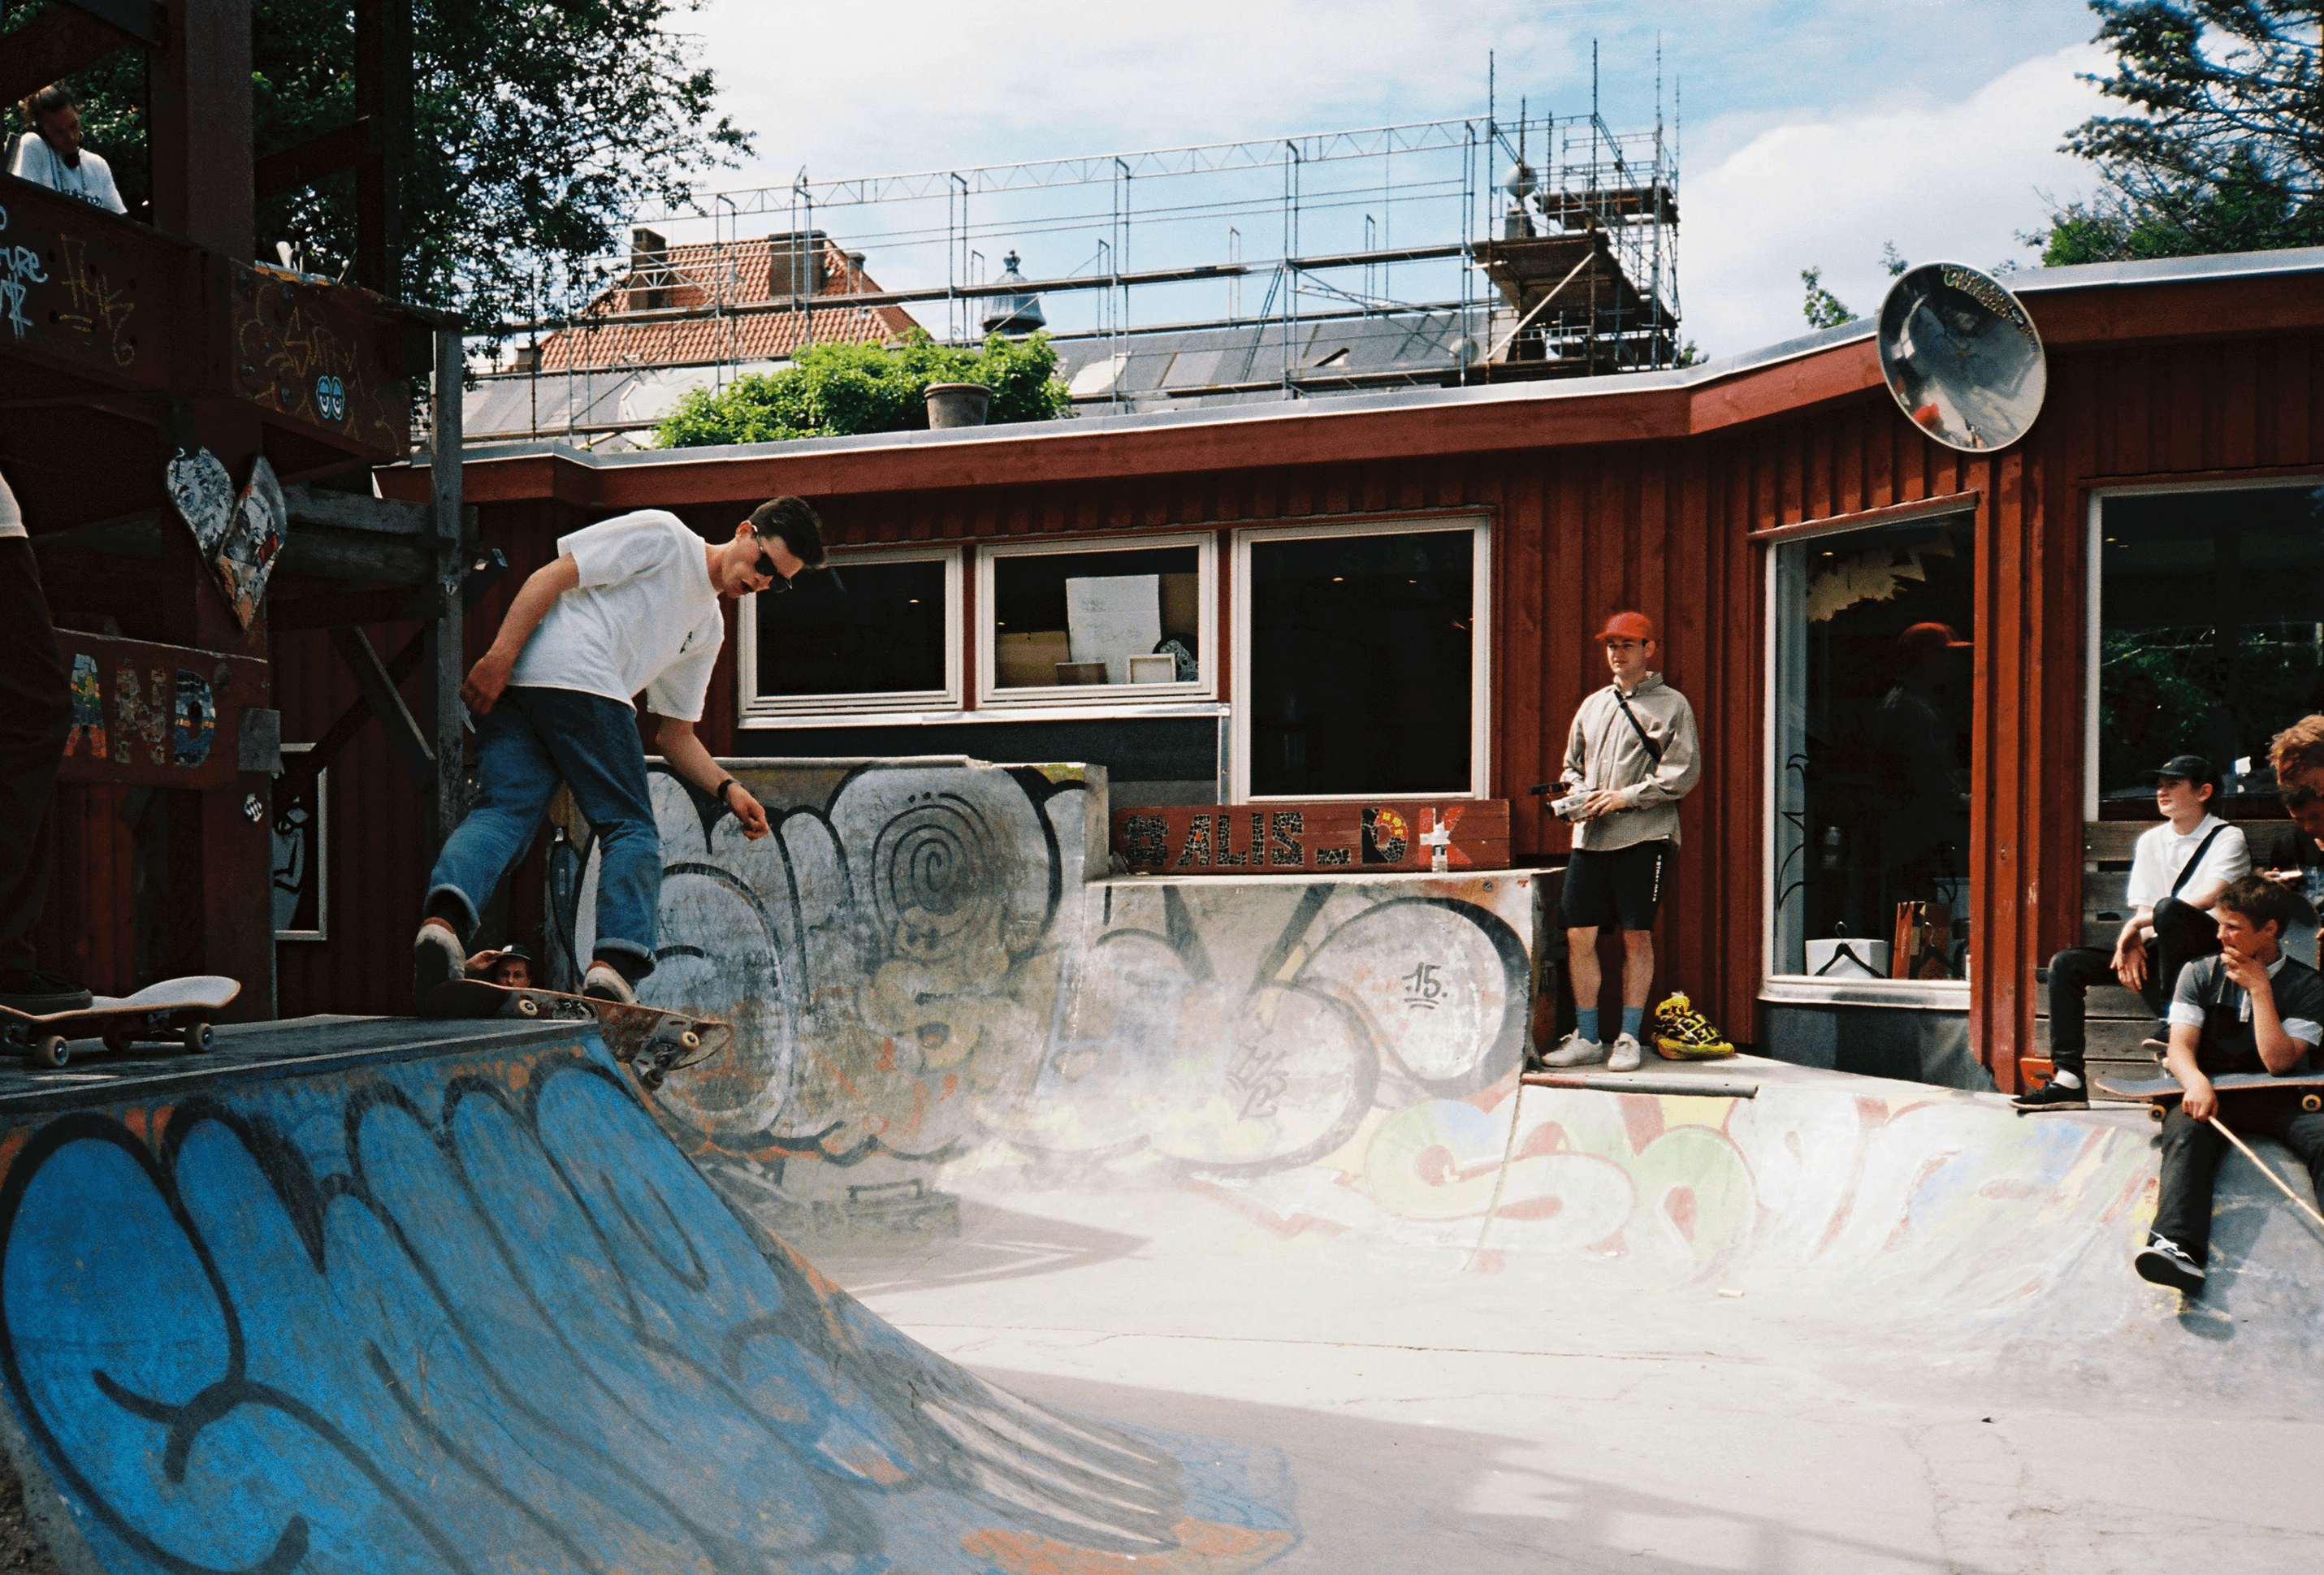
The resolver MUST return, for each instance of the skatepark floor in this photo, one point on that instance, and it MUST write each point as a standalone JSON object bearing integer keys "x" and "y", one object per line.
{"x": 1448, "y": 1409}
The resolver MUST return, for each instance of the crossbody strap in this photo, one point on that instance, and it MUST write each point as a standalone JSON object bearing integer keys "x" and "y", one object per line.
{"x": 1654, "y": 750}
{"x": 2189, "y": 869}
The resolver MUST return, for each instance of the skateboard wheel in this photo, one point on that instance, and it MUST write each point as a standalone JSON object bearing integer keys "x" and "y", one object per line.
{"x": 652, "y": 1077}
{"x": 50, "y": 1050}
{"x": 119, "y": 1041}
{"x": 199, "y": 1038}
{"x": 2154, "y": 1113}
{"x": 526, "y": 1006}
{"x": 2311, "y": 1101}
{"x": 690, "y": 1040}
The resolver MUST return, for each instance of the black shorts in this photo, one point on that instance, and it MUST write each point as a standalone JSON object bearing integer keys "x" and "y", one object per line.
{"x": 1616, "y": 886}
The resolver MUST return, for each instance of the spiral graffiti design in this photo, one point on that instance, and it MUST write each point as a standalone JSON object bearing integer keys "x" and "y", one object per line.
{"x": 931, "y": 873}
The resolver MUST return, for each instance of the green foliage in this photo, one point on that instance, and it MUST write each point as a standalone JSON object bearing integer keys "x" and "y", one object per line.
{"x": 2225, "y": 151}
{"x": 1892, "y": 260}
{"x": 830, "y": 390}
{"x": 538, "y": 127}
{"x": 1823, "y": 308}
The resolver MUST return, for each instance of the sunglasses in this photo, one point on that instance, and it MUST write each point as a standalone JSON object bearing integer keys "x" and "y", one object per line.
{"x": 777, "y": 582}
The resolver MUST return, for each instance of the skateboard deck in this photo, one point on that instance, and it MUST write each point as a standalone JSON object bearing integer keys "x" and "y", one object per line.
{"x": 176, "y": 1010}
{"x": 654, "y": 1040}
{"x": 2162, "y": 1092}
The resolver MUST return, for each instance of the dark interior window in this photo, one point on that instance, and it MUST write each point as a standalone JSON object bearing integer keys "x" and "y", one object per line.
{"x": 1360, "y": 653}
{"x": 854, "y": 629}
{"x": 1061, "y": 617}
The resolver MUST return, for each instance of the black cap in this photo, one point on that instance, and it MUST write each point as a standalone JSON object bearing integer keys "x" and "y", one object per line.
{"x": 512, "y": 949}
{"x": 2192, "y": 769}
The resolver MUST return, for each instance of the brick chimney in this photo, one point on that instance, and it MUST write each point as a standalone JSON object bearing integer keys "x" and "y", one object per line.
{"x": 649, "y": 274}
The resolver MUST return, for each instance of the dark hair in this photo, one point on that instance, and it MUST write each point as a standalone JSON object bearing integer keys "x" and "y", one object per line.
{"x": 794, "y": 522}
{"x": 50, "y": 100}
{"x": 2299, "y": 795}
{"x": 2262, "y": 902}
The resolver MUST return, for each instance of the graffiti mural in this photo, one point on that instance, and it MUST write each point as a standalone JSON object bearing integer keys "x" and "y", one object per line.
{"x": 927, "y": 961}
{"x": 477, "y": 1313}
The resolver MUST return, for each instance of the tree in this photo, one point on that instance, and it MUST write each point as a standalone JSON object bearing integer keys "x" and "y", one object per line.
{"x": 830, "y": 390}
{"x": 538, "y": 127}
{"x": 1824, "y": 310}
{"x": 2225, "y": 150}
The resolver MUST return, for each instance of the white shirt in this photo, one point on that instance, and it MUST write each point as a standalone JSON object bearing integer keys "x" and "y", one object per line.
{"x": 644, "y": 618}
{"x": 91, "y": 180}
{"x": 11, "y": 518}
{"x": 2162, "y": 853}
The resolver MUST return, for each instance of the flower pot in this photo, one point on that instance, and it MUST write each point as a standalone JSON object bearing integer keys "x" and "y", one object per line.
{"x": 957, "y": 404}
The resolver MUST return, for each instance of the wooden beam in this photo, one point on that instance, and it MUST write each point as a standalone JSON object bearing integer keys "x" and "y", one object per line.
{"x": 484, "y": 573}
{"x": 140, "y": 19}
{"x": 60, "y": 41}
{"x": 351, "y": 609}
{"x": 387, "y": 703}
{"x": 304, "y": 163}
{"x": 305, "y": 505}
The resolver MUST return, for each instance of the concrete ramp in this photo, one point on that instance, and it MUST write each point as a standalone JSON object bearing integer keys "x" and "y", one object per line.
{"x": 378, "y": 1298}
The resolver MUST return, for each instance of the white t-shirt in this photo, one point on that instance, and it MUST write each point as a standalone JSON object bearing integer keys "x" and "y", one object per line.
{"x": 644, "y": 618}
{"x": 91, "y": 180}
{"x": 11, "y": 518}
{"x": 2161, "y": 853}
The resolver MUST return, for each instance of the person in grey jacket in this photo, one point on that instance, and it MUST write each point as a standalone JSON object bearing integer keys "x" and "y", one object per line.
{"x": 1631, "y": 756}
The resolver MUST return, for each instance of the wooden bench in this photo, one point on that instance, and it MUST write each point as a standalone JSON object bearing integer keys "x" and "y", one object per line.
{"x": 2118, "y": 1020}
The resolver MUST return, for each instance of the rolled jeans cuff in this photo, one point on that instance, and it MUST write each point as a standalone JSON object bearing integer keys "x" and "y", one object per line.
{"x": 631, "y": 961}
{"x": 468, "y": 909}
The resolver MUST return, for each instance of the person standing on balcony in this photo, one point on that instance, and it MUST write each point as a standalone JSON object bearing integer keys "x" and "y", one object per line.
{"x": 49, "y": 152}
{"x": 1630, "y": 756}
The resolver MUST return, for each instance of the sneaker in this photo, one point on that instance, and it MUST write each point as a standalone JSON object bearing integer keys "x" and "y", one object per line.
{"x": 2054, "y": 1095}
{"x": 1575, "y": 1051}
{"x": 1683, "y": 1034}
{"x": 605, "y": 982}
{"x": 2165, "y": 1263}
{"x": 1624, "y": 1054}
{"x": 41, "y": 995}
{"x": 437, "y": 958}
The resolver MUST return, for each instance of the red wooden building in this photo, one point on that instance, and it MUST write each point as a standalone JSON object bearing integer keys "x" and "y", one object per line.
{"x": 2130, "y": 577}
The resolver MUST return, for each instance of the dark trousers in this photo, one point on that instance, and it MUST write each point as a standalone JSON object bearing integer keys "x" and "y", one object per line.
{"x": 35, "y": 718}
{"x": 2181, "y": 934}
{"x": 2190, "y": 1159}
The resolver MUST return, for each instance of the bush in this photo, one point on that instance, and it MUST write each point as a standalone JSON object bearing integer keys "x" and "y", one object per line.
{"x": 831, "y": 391}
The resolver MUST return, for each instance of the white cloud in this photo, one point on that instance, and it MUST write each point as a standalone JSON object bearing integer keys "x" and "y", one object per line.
{"x": 1955, "y": 182}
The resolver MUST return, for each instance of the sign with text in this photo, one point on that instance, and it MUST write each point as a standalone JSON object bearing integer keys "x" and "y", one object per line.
{"x": 158, "y": 715}
{"x": 1275, "y": 839}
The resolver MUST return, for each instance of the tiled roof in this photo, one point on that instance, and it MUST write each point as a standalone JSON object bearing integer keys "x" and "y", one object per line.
{"x": 740, "y": 273}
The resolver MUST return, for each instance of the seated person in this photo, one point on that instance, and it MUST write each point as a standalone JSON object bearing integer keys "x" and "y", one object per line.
{"x": 2176, "y": 873}
{"x": 49, "y": 154}
{"x": 2248, "y": 1009}
{"x": 511, "y": 967}
{"x": 2293, "y": 858}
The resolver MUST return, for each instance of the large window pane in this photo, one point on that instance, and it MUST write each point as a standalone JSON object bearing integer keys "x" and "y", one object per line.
{"x": 857, "y": 629}
{"x": 1360, "y": 659}
{"x": 1873, "y": 697}
{"x": 1122, "y": 616}
{"x": 2208, "y": 639}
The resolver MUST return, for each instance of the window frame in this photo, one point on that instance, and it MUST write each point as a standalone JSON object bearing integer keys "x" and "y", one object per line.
{"x": 1100, "y": 700}
{"x": 1950, "y": 995}
{"x": 753, "y": 709}
{"x": 1480, "y": 524}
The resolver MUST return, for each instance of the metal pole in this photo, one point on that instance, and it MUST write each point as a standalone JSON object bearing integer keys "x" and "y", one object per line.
{"x": 447, "y": 655}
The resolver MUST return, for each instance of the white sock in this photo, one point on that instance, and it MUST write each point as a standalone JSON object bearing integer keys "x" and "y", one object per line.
{"x": 2066, "y": 1079}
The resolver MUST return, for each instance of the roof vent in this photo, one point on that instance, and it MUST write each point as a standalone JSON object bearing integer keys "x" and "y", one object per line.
{"x": 1013, "y": 314}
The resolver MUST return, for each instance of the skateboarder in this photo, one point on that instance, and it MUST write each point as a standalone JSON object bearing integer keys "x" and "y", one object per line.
{"x": 629, "y": 606}
{"x": 36, "y": 718}
{"x": 2248, "y": 1009}
{"x": 1631, "y": 756}
{"x": 2177, "y": 871}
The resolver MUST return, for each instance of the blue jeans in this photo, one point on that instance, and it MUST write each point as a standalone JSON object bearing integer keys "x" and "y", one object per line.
{"x": 525, "y": 745}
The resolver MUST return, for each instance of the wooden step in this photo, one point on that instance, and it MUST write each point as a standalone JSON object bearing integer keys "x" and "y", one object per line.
{"x": 2110, "y": 1039}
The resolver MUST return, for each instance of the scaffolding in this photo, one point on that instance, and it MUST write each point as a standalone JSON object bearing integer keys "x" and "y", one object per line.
{"x": 1564, "y": 264}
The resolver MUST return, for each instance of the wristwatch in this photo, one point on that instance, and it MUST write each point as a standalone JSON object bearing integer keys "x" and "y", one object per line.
{"x": 722, "y": 792}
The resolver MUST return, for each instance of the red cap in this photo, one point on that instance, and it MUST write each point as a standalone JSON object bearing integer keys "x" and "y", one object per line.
{"x": 1626, "y": 626}
{"x": 1923, "y": 638}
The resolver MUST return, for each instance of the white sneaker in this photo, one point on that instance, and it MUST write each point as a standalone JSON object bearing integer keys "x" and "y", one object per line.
{"x": 436, "y": 958}
{"x": 1576, "y": 1051}
{"x": 604, "y": 982}
{"x": 1624, "y": 1054}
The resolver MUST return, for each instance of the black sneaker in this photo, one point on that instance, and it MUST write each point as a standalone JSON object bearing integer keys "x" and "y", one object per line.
{"x": 39, "y": 994}
{"x": 2165, "y": 1263}
{"x": 2054, "y": 1095}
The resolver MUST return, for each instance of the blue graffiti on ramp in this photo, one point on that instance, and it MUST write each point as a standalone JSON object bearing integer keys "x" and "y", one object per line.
{"x": 409, "y": 1321}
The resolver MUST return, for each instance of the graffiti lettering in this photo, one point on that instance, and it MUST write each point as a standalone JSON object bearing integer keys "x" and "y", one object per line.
{"x": 20, "y": 267}
{"x": 1422, "y": 988}
{"x": 94, "y": 305}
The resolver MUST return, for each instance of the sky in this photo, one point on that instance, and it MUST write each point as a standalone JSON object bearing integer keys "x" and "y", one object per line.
{"x": 1809, "y": 132}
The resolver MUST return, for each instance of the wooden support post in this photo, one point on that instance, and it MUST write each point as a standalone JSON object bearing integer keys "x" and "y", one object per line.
{"x": 384, "y": 97}
{"x": 200, "y": 142}
{"x": 412, "y": 746}
{"x": 447, "y": 664}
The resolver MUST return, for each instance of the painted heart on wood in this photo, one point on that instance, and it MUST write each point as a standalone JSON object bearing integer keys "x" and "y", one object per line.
{"x": 203, "y": 495}
{"x": 253, "y": 541}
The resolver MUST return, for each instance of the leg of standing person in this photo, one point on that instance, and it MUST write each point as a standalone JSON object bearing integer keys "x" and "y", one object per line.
{"x": 1586, "y": 905}
{"x": 594, "y": 744}
{"x": 35, "y": 718}
{"x": 516, "y": 778}
{"x": 1637, "y": 897}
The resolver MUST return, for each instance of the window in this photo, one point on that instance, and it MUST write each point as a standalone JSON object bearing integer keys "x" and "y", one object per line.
{"x": 1869, "y": 724}
{"x": 1363, "y": 661}
{"x": 878, "y": 632}
{"x": 2206, "y": 639}
{"x": 1070, "y": 624}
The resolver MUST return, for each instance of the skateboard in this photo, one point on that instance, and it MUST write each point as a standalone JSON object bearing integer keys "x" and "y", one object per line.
{"x": 176, "y": 1010}
{"x": 2160, "y": 1093}
{"x": 656, "y": 1040}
